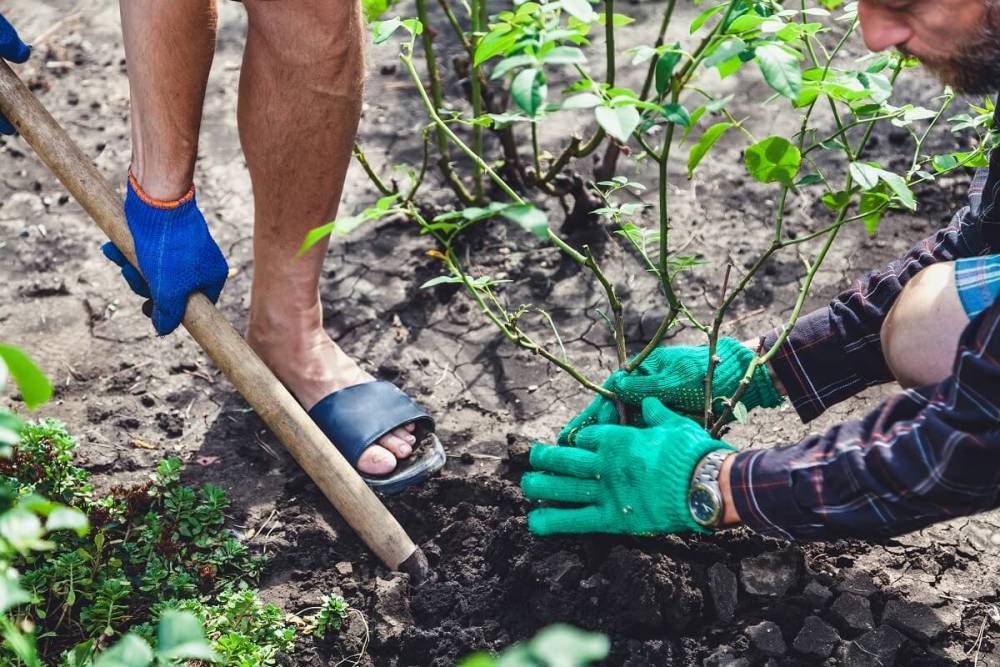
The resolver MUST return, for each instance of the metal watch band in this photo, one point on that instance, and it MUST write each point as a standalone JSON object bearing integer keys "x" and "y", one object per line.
{"x": 710, "y": 467}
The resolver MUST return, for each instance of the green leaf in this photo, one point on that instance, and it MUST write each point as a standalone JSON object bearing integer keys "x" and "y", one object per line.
{"x": 581, "y": 101}
{"x": 480, "y": 659}
{"x": 836, "y": 201}
{"x": 23, "y": 530}
{"x": 179, "y": 636}
{"x": 774, "y": 160}
{"x": 131, "y": 651}
{"x": 619, "y": 122}
{"x": 864, "y": 175}
{"x": 383, "y": 30}
{"x": 529, "y": 91}
{"x": 780, "y": 70}
{"x": 527, "y": 216}
{"x": 943, "y": 163}
{"x": 494, "y": 43}
{"x": 67, "y": 518}
{"x": 579, "y": 9}
{"x": 11, "y": 593}
{"x": 740, "y": 412}
{"x": 665, "y": 68}
{"x": 565, "y": 646}
{"x": 374, "y": 8}
{"x": 899, "y": 188}
{"x": 618, "y": 20}
{"x": 730, "y": 48}
{"x": 708, "y": 139}
{"x": 441, "y": 280}
{"x": 508, "y": 64}
{"x": 677, "y": 114}
{"x": 872, "y": 208}
{"x": 704, "y": 16}
{"x": 35, "y": 388}
{"x": 564, "y": 55}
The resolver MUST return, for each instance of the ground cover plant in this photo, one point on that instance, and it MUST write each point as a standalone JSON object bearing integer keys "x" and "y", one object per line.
{"x": 149, "y": 565}
{"x": 531, "y": 64}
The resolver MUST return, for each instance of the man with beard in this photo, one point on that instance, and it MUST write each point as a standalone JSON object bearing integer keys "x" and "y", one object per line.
{"x": 930, "y": 320}
{"x": 300, "y": 96}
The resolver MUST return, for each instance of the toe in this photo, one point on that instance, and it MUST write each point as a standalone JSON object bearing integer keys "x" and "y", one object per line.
{"x": 409, "y": 427}
{"x": 405, "y": 435}
{"x": 401, "y": 447}
{"x": 376, "y": 461}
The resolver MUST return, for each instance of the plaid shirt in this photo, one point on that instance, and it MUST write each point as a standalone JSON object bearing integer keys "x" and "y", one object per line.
{"x": 922, "y": 456}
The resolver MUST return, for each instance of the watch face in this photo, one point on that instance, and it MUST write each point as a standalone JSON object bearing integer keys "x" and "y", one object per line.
{"x": 705, "y": 505}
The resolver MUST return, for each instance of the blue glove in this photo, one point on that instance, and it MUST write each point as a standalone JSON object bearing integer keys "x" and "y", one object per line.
{"x": 14, "y": 50}
{"x": 176, "y": 254}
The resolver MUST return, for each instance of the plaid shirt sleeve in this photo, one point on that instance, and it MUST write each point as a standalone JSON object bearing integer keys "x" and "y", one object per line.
{"x": 922, "y": 456}
{"x": 836, "y": 351}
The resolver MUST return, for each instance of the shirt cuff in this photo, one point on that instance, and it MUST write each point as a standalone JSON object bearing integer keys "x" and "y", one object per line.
{"x": 816, "y": 369}
{"x": 761, "y": 484}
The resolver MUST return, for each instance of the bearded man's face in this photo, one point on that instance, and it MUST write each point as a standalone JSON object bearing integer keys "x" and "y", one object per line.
{"x": 957, "y": 40}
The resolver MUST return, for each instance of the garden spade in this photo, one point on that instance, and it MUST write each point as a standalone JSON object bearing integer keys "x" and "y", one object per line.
{"x": 335, "y": 477}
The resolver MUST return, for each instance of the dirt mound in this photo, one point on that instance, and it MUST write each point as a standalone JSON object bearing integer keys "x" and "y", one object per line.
{"x": 732, "y": 599}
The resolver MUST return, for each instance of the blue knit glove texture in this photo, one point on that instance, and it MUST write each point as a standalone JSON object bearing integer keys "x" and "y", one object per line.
{"x": 177, "y": 257}
{"x": 14, "y": 50}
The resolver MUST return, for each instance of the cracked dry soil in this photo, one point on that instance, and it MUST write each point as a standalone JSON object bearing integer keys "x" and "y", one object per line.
{"x": 733, "y": 599}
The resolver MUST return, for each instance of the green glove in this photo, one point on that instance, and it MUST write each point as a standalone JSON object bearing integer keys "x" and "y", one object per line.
{"x": 676, "y": 376}
{"x": 624, "y": 479}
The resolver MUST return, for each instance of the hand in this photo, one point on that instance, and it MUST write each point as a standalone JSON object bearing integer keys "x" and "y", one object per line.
{"x": 176, "y": 254}
{"x": 624, "y": 479}
{"x": 14, "y": 50}
{"x": 676, "y": 376}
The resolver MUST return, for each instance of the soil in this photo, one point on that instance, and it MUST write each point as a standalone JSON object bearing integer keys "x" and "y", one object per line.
{"x": 732, "y": 599}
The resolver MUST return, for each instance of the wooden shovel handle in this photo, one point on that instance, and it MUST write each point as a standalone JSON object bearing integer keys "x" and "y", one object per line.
{"x": 335, "y": 477}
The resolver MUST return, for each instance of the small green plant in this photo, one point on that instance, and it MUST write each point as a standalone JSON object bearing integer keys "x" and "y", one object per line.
{"x": 331, "y": 616}
{"x": 154, "y": 547}
{"x": 554, "y": 646}
{"x": 243, "y": 630}
{"x": 22, "y": 534}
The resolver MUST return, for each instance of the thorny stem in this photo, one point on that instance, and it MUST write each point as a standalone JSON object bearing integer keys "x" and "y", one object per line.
{"x": 609, "y": 39}
{"x": 444, "y": 163}
{"x": 508, "y": 328}
{"x": 618, "y": 319}
{"x": 375, "y": 178}
{"x": 760, "y": 360}
{"x": 713, "y": 340}
{"x": 536, "y": 154}
{"x": 660, "y": 37}
{"x": 457, "y": 27}
{"x": 478, "y": 19}
{"x": 423, "y": 169}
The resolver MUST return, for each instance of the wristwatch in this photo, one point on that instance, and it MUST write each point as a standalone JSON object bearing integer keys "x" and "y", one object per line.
{"x": 705, "y": 496}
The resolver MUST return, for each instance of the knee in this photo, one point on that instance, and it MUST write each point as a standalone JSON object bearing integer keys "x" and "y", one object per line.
{"x": 326, "y": 36}
{"x": 921, "y": 332}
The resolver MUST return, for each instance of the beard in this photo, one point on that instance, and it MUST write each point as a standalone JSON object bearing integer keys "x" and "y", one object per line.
{"x": 975, "y": 68}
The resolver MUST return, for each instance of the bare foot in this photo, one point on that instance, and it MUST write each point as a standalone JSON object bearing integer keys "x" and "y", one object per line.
{"x": 312, "y": 366}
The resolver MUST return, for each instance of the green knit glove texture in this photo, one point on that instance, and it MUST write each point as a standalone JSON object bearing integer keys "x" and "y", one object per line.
{"x": 620, "y": 479}
{"x": 676, "y": 376}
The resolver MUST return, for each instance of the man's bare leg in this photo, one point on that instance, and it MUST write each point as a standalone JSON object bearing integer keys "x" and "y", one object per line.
{"x": 299, "y": 105}
{"x": 168, "y": 50}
